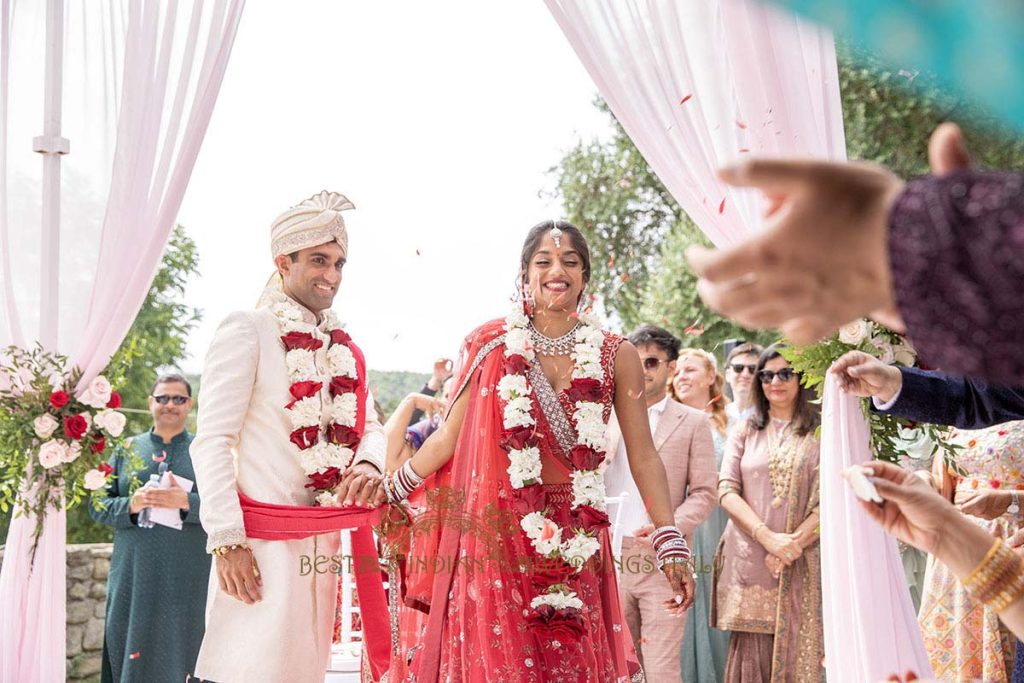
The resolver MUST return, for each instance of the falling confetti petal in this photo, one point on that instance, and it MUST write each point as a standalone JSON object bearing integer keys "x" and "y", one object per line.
{"x": 742, "y": 125}
{"x": 418, "y": 252}
{"x": 721, "y": 207}
{"x": 744, "y": 150}
{"x": 134, "y": 655}
{"x": 611, "y": 260}
{"x": 686, "y": 99}
{"x": 625, "y": 278}
{"x": 694, "y": 330}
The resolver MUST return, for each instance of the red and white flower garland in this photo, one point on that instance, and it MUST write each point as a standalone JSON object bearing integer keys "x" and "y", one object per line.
{"x": 324, "y": 452}
{"x": 575, "y": 545}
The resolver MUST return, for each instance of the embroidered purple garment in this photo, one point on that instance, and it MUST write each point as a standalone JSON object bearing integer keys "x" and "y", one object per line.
{"x": 957, "y": 249}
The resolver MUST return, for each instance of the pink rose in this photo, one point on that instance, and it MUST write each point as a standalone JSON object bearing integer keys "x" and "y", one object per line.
{"x": 52, "y": 453}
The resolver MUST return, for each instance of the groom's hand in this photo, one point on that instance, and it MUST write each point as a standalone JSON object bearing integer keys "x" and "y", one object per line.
{"x": 239, "y": 575}
{"x": 359, "y": 485}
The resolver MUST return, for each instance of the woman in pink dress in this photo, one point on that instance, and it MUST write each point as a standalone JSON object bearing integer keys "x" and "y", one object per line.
{"x": 512, "y": 560}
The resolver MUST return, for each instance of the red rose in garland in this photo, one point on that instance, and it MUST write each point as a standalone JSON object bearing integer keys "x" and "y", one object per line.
{"x": 115, "y": 400}
{"x": 99, "y": 444}
{"x": 564, "y": 625}
{"x": 59, "y": 399}
{"x": 75, "y": 427}
{"x": 105, "y": 468}
{"x": 529, "y": 499}
{"x": 343, "y": 385}
{"x": 549, "y": 572}
{"x": 340, "y": 337}
{"x": 301, "y": 390}
{"x": 516, "y": 365}
{"x": 325, "y": 480}
{"x": 305, "y": 438}
{"x": 341, "y": 434}
{"x": 301, "y": 340}
{"x": 517, "y": 438}
{"x": 589, "y": 519}
{"x": 585, "y": 457}
{"x": 585, "y": 389}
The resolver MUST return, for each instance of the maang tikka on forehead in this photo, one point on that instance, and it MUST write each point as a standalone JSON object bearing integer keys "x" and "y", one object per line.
{"x": 556, "y": 234}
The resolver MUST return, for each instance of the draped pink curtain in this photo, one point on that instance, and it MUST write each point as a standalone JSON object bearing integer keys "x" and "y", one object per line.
{"x": 140, "y": 82}
{"x": 698, "y": 85}
{"x": 871, "y": 628}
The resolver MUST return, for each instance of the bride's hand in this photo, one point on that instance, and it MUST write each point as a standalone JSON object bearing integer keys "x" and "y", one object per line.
{"x": 680, "y": 578}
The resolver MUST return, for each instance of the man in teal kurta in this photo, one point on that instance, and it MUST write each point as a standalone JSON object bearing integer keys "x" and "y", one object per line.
{"x": 156, "y": 591}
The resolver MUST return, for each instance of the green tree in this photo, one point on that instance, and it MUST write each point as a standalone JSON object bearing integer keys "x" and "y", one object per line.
{"x": 637, "y": 232}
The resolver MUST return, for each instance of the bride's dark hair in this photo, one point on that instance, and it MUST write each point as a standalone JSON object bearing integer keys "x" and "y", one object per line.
{"x": 536, "y": 234}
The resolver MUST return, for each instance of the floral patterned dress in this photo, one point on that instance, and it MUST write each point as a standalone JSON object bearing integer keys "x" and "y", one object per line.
{"x": 965, "y": 640}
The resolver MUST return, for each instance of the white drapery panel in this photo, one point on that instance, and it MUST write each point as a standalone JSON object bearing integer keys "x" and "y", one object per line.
{"x": 140, "y": 81}
{"x": 698, "y": 85}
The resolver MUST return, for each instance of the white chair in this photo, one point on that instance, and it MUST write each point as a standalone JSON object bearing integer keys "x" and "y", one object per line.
{"x": 616, "y": 521}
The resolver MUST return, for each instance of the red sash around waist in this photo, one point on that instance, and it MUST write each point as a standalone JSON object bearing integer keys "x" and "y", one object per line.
{"x": 287, "y": 522}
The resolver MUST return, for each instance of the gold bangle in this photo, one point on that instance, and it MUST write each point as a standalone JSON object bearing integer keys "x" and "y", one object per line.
{"x": 223, "y": 550}
{"x": 757, "y": 527}
{"x": 998, "y": 581}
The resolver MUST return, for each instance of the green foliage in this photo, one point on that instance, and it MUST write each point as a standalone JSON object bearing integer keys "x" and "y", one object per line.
{"x": 389, "y": 388}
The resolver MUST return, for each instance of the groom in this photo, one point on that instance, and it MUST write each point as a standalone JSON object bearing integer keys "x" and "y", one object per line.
{"x": 285, "y": 419}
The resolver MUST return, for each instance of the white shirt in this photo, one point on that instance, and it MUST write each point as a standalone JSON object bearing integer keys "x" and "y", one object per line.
{"x": 618, "y": 479}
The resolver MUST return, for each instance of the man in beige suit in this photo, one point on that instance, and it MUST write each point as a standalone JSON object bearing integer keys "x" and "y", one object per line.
{"x": 682, "y": 436}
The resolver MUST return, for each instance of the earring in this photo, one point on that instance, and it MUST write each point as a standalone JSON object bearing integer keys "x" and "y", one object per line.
{"x": 529, "y": 302}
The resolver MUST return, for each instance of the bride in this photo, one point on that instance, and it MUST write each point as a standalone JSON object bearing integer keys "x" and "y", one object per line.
{"x": 513, "y": 562}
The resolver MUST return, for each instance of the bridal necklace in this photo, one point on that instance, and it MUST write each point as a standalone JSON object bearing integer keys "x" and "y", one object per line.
{"x": 546, "y": 346}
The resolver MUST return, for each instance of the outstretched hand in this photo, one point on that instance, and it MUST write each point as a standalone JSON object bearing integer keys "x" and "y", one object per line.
{"x": 359, "y": 486}
{"x": 910, "y": 510}
{"x": 680, "y": 578}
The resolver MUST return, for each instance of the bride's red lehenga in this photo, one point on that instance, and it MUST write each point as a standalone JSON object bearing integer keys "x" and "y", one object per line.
{"x": 474, "y": 569}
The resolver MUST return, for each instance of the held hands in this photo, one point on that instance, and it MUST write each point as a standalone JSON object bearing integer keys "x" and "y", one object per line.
{"x": 360, "y": 486}
{"x": 985, "y": 503}
{"x": 680, "y": 578}
{"x": 784, "y": 547}
{"x": 862, "y": 374}
{"x": 643, "y": 534}
{"x": 239, "y": 575}
{"x": 174, "y": 497}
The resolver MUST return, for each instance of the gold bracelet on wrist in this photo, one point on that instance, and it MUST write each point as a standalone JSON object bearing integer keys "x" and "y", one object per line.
{"x": 223, "y": 550}
{"x": 998, "y": 580}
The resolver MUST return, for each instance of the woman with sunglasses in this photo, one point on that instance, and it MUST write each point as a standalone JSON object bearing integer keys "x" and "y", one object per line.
{"x": 767, "y": 570}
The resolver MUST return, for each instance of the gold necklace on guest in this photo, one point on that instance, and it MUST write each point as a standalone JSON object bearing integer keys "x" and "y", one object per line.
{"x": 781, "y": 448}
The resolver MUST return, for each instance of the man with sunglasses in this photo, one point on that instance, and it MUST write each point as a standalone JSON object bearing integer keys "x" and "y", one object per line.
{"x": 740, "y": 366}
{"x": 156, "y": 570}
{"x": 682, "y": 437}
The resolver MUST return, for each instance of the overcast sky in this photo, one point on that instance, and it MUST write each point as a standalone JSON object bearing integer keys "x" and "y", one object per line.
{"x": 438, "y": 120}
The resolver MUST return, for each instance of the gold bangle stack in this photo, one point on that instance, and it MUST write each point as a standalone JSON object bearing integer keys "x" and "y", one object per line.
{"x": 998, "y": 580}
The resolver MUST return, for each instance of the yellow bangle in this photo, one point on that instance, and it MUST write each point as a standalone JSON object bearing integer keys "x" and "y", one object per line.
{"x": 973, "y": 577}
{"x": 225, "y": 549}
{"x": 998, "y": 581}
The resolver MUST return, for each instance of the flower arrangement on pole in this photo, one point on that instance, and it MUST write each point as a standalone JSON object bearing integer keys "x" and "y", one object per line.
{"x": 891, "y": 436}
{"x": 55, "y": 436}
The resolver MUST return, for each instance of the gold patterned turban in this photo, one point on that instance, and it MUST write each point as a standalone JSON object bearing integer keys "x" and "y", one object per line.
{"x": 313, "y": 221}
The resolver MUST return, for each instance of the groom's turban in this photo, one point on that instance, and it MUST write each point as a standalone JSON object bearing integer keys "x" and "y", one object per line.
{"x": 313, "y": 221}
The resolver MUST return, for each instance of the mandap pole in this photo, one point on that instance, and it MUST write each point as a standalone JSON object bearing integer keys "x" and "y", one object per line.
{"x": 51, "y": 145}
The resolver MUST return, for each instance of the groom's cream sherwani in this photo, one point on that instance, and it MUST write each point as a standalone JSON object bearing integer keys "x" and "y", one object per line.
{"x": 242, "y": 444}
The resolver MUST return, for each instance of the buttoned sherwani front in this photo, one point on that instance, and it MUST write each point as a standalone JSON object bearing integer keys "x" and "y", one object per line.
{"x": 684, "y": 444}
{"x": 242, "y": 444}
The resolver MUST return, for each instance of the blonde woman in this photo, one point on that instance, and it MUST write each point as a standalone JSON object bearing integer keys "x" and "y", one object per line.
{"x": 698, "y": 384}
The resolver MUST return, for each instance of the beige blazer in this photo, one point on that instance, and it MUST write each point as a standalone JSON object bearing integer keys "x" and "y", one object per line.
{"x": 683, "y": 440}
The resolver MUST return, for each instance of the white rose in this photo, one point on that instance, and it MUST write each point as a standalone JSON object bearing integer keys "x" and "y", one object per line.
{"x": 855, "y": 332}
{"x": 341, "y": 361}
{"x": 905, "y": 355}
{"x": 94, "y": 480}
{"x": 512, "y": 386}
{"x": 97, "y": 394}
{"x": 301, "y": 366}
{"x": 588, "y": 489}
{"x": 343, "y": 409}
{"x": 550, "y": 539}
{"x": 578, "y": 549}
{"x": 52, "y": 453}
{"x": 45, "y": 425}
{"x": 111, "y": 421}
{"x": 516, "y": 342}
{"x": 306, "y": 413}
{"x": 885, "y": 350}
{"x": 72, "y": 452}
{"x": 88, "y": 419}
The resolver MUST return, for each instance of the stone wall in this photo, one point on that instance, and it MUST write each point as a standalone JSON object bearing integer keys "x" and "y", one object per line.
{"x": 88, "y": 566}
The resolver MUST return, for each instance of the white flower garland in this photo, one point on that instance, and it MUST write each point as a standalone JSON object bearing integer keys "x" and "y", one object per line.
{"x": 307, "y": 412}
{"x": 525, "y": 463}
